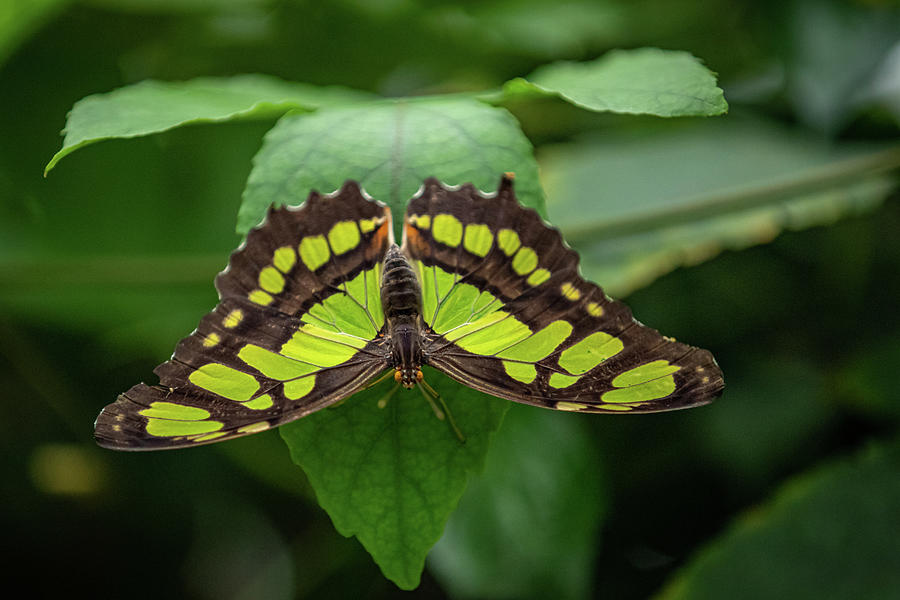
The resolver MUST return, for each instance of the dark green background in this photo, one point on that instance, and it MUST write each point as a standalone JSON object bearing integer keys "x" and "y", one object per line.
{"x": 109, "y": 261}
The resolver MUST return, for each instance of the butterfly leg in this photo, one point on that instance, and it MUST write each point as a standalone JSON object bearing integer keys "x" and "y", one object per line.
{"x": 431, "y": 395}
{"x": 387, "y": 374}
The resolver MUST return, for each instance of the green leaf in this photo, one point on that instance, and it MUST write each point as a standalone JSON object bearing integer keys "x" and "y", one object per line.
{"x": 648, "y": 81}
{"x": 526, "y": 528}
{"x": 19, "y": 18}
{"x": 154, "y": 106}
{"x": 391, "y": 476}
{"x": 831, "y": 533}
{"x": 637, "y": 205}
{"x": 390, "y": 148}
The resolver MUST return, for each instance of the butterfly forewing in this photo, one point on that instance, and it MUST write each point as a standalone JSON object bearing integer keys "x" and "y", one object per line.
{"x": 297, "y": 328}
{"x": 507, "y": 312}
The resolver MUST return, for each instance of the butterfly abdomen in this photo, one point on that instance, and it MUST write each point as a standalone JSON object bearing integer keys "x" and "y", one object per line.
{"x": 401, "y": 298}
{"x": 400, "y": 292}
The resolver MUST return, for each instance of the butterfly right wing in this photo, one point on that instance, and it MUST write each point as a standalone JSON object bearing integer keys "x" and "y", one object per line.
{"x": 509, "y": 313}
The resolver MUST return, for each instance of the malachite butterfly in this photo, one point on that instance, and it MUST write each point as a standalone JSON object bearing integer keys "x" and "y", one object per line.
{"x": 319, "y": 302}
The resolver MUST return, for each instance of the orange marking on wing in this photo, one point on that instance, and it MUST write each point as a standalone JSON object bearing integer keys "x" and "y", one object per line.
{"x": 378, "y": 240}
{"x": 412, "y": 234}
{"x": 414, "y": 239}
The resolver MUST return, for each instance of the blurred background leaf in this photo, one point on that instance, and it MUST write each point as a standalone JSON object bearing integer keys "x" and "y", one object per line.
{"x": 866, "y": 383}
{"x": 829, "y": 533}
{"x": 20, "y": 18}
{"x": 178, "y": 6}
{"x": 527, "y": 525}
{"x": 697, "y": 189}
{"x": 833, "y": 53}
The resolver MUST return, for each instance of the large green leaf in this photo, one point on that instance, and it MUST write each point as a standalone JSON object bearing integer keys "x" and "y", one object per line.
{"x": 154, "y": 106}
{"x": 648, "y": 81}
{"x": 831, "y": 533}
{"x": 526, "y": 528}
{"x": 391, "y": 476}
{"x": 637, "y": 206}
{"x": 390, "y": 148}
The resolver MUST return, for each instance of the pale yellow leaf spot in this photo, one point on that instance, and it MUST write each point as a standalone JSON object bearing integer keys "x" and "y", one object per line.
{"x": 594, "y": 309}
{"x": 421, "y": 221}
{"x": 260, "y": 297}
{"x": 211, "y": 436}
{"x": 570, "y": 406}
{"x": 271, "y": 280}
{"x": 538, "y": 277}
{"x": 570, "y": 291}
{"x": 233, "y": 319}
{"x": 447, "y": 229}
{"x": 314, "y": 251}
{"x": 254, "y": 428}
{"x": 284, "y": 259}
{"x": 508, "y": 240}
{"x": 343, "y": 237}
{"x": 525, "y": 261}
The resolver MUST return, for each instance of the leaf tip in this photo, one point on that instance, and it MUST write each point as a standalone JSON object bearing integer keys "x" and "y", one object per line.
{"x": 55, "y": 159}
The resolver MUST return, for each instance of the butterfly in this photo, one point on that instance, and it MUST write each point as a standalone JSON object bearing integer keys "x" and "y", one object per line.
{"x": 319, "y": 302}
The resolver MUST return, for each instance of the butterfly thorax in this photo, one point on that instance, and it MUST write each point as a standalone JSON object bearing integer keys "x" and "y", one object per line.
{"x": 401, "y": 298}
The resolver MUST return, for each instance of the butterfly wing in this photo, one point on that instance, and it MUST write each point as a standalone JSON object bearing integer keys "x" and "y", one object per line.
{"x": 509, "y": 313}
{"x": 298, "y": 327}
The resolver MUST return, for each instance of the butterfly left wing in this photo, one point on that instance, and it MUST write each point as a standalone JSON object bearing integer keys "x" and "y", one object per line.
{"x": 509, "y": 313}
{"x": 298, "y": 327}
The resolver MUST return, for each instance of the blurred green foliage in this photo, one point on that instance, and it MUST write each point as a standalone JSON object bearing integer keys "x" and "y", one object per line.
{"x": 109, "y": 261}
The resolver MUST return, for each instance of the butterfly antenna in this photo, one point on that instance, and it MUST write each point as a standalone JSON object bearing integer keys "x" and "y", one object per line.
{"x": 442, "y": 412}
{"x": 383, "y": 401}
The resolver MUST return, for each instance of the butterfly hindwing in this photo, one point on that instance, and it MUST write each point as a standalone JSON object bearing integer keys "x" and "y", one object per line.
{"x": 297, "y": 328}
{"x": 510, "y": 314}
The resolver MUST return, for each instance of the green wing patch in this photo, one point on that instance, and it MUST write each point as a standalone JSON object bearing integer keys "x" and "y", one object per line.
{"x": 508, "y": 313}
{"x": 297, "y": 328}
